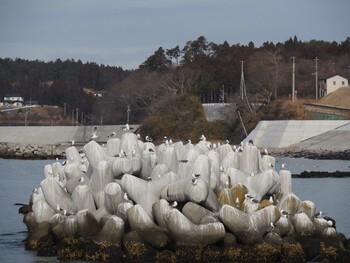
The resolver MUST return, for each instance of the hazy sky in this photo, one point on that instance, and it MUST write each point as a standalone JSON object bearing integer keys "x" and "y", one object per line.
{"x": 126, "y": 32}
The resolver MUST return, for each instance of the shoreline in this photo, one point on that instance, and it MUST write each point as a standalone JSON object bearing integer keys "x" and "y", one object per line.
{"x": 49, "y": 151}
{"x": 320, "y": 154}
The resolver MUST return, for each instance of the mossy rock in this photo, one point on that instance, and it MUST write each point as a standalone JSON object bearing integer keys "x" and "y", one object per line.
{"x": 232, "y": 254}
{"x": 292, "y": 252}
{"x": 266, "y": 253}
{"x": 138, "y": 251}
{"x": 186, "y": 253}
{"x": 88, "y": 249}
{"x": 334, "y": 254}
{"x": 212, "y": 254}
{"x": 165, "y": 256}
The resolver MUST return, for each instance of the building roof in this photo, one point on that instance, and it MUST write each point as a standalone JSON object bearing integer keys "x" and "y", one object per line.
{"x": 13, "y": 95}
{"x": 331, "y": 76}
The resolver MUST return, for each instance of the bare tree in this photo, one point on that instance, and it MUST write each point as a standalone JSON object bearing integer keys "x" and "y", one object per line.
{"x": 180, "y": 80}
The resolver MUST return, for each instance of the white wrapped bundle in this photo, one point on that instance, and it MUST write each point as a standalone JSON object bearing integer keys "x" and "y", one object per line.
{"x": 158, "y": 171}
{"x": 120, "y": 166}
{"x": 195, "y": 212}
{"x": 72, "y": 170}
{"x": 231, "y": 160}
{"x": 179, "y": 149}
{"x": 55, "y": 195}
{"x": 144, "y": 192}
{"x": 168, "y": 157}
{"x": 48, "y": 171}
{"x": 42, "y": 211}
{"x": 112, "y": 231}
{"x": 82, "y": 199}
{"x": 248, "y": 228}
{"x": 201, "y": 167}
{"x": 260, "y": 184}
{"x": 250, "y": 159}
{"x": 160, "y": 208}
{"x": 307, "y": 207}
{"x": 129, "y": 144}
{"x": 114, "y": 195}
{"x": 72, "y": 155}
{"x": 186, "y": 190}
{"x": 87, "y": 224}
{"x": 75, "y": 181}
{"x": 113, "y": 146}
{"x": 214, "y": 161}
{"x": 95, "y": 153}
{"x": 267, "y": 162}
{"x": 183, "y": 231}
{"x": 289, "y": 203}
{"x": 303, "y": 225}
{"x": 68, "y": 227}
{"x": 224, "y": 150}
{"x": 101, "y": 176}
{"x": 285, "y": 178}
{"x": 141, "y": 223}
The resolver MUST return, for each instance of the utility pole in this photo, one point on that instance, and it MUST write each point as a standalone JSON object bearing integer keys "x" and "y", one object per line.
{"x": 72, "y": 117}
{"x": 77, "y": 116}
{"x": 64, "y": 108}
{"x": 316, "y": 77}
{"x": 82, "y": 118}
{"x": 293, "y": 80}
{"x": 222, "y": 94}
{"x": 128, "y": 114}
{"x": 242, "y": 81}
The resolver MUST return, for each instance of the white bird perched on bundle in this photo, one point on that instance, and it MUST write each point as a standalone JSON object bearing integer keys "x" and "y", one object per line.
{"x": 113, "y": 134}
{"x": 237, "y": 202}
{"x": 127, "y": 127}
{"x": 271, "y": 200}
{"x": 202, "y": 138}
{"x": 282, "y": 166}
{"x": 148, "y": 139}
{"x": 174, "y": 204}
{"x": 126, "y": 196}
{"x": 94, "y": 134}
{"x": 194, "y": 178}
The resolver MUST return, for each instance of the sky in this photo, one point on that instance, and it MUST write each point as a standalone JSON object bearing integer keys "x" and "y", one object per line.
{"x": 125, "y": 33}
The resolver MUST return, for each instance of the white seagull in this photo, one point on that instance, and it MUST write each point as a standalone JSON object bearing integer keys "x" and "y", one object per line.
{"x": 94, "y": 134}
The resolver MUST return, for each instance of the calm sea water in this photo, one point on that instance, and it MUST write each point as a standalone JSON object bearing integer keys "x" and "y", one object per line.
{"x": 19, "y": 177}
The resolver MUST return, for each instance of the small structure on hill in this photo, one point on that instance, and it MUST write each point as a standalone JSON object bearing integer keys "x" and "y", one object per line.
{"x": 13, "y": 100}
{"x": 331, "y": 84}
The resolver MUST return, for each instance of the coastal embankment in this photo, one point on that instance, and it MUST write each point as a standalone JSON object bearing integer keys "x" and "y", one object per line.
{"x": 49, "y": 142}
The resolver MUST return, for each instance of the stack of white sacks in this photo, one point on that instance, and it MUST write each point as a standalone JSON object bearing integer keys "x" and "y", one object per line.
{"x": 171, "y": 193}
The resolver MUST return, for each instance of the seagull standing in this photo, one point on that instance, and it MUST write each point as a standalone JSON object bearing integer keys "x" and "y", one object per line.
{"x": 148, "y": 139}
{"x": 113, "y": 134}
{"x": 94, "y": 134}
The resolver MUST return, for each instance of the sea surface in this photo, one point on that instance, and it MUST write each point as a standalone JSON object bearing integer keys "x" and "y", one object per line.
{"x": 18, "y": 178}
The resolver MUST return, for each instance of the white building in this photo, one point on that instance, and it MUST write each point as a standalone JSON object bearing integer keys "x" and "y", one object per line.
{"x": 13, "y": 100}
{"x": 331, "y": 84}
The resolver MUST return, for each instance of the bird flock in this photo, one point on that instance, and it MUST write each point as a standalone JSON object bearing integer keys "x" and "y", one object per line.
{"x": 172, "y": 192}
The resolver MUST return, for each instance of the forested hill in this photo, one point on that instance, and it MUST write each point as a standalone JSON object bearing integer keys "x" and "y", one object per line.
{"x": 56, "y": 82}
{"x": 202, "y": 69}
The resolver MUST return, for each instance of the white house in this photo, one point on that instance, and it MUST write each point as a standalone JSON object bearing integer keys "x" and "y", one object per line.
{"x": 328, "y": 85}
{"x": 13, "y": 100}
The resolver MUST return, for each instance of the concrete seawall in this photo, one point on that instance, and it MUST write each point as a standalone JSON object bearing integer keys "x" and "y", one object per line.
{"x": 49, "y": 142}
{"x": 54, "y": 135}
{"x": 328, "y": 134}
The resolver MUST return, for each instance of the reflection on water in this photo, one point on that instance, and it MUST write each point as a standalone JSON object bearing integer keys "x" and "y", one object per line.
{"x": 19, "y": 178}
